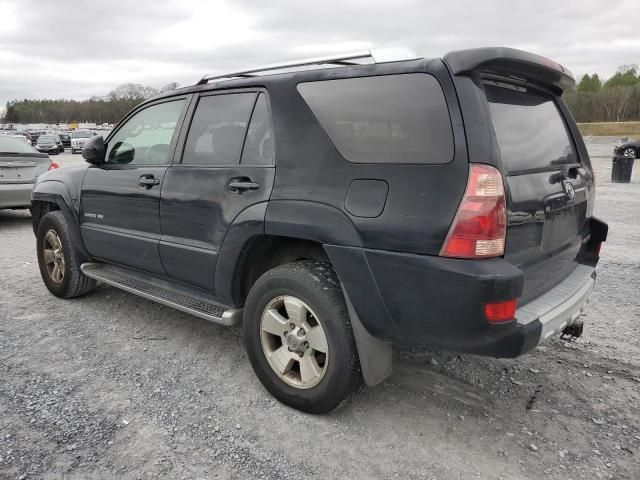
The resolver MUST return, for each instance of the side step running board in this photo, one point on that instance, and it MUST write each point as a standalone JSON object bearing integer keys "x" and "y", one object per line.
{"x": 163, "y": 292}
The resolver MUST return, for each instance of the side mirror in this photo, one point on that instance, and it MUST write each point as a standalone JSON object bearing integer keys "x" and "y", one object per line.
{"x": 94, "y": 150}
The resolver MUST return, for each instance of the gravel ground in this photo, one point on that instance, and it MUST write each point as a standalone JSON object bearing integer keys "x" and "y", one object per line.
{"x": 114, "y": 386}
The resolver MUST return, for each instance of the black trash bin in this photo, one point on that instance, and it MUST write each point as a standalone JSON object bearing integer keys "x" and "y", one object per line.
{"x": 621, "y": 169}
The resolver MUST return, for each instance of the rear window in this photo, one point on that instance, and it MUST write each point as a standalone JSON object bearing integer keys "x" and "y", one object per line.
{"x": 15, "y": 145}
{"x": 529, "y": 127}
{"x": 385, "y": 119}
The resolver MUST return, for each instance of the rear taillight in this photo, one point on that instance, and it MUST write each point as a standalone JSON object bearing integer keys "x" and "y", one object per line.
{"x": 53, "y": 166}
{"x": 479, "y": 227}
{"x": 499, "y": 312}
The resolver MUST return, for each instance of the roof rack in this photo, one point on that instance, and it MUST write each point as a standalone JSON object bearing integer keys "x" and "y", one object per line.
{"x": 381, "y": 55}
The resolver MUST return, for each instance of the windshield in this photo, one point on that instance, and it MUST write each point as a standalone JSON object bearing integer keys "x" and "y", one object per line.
{"x": 81, "y": 134}
{"x": 15, "y": 145}
{"x": 529, "y": 127}
{"x": 46, "y": 139}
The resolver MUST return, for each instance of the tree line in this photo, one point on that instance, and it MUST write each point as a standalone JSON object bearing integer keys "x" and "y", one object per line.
{"x": 108, "y": 109}
{"x": 615, "y": 100}
{"x": 591, "y": 100}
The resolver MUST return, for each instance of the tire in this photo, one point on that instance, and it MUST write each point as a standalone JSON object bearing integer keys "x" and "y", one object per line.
{"x": 630, "y": 152}
{"x": 71, "y": 282}
{"x": 313, "y": 288}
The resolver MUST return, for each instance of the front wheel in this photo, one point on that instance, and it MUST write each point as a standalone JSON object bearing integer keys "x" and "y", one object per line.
{"x": 630, "y": 152}
{"x": 59, "y": 259}
{"x": 299, "y": 338}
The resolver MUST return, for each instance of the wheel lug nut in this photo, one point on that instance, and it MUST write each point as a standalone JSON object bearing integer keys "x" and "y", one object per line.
{"x": 302, "y": 331}
{"x": 292, "y": 325}
{"x": 306, "y": 344}
{"x": 285, "y": 334}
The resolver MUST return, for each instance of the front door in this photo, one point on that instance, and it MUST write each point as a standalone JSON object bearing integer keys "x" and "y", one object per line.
{"x": 226, "y": 167}
{"x": 120, "y": 200}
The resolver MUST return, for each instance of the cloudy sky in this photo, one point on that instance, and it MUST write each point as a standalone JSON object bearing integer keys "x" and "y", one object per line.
{"x": 74, "y": 49}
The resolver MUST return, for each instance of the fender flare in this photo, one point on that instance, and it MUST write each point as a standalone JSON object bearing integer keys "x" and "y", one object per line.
{"x": 53, "y": 191}
{"x": 306, "y": 221}
{"x": 329, "y": 226}
{"x": 248, "y": 224}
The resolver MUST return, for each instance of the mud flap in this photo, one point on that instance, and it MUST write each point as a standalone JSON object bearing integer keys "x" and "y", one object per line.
{"x": 375, "y": 354}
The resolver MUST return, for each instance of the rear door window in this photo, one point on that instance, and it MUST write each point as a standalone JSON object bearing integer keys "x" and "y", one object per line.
{"x": 218, "y": 129}
{"x": 259, "y": 148}
{"x": 529, "y": 127}
{"x": 384, "y": 119}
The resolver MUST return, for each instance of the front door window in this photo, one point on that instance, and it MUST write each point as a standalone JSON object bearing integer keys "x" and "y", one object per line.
{"x": 145, "y": 138}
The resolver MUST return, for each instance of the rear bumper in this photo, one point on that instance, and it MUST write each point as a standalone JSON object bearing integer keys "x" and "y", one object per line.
{"x": 15, "y": 195}
{"x": 419, "y": 300}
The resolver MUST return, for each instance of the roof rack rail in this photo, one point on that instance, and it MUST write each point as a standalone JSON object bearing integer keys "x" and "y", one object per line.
{"x": 381, "y": 55}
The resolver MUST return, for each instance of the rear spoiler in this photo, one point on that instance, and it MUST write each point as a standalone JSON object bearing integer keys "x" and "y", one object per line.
{"x": 513, "y": 63}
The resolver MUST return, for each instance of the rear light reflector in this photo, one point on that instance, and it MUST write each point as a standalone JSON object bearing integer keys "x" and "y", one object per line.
{"x": 499, "y": 312}
{"x": 479, "y": 227}
{"x": 598, "y": 247}
{"x": 53, "y": 166}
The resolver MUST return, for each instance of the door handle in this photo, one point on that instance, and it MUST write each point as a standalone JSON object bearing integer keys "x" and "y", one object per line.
{"x": 148, "y": 181}
{"x": 242, "y": 184}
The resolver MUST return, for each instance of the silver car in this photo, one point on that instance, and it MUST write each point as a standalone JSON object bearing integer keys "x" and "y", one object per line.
{"x": 20, "y": 167}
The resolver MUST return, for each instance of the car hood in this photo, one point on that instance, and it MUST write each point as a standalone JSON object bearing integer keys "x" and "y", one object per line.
{"x": 62, "y": 174}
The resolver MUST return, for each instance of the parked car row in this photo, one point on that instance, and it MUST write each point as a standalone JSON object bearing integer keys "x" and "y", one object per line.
{"x": 43, "y": 140}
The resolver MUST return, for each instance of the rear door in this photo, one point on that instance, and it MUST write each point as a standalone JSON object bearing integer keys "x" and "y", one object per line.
{"x": 547, "y": 194}
{"x": 226, "y": 166}
{"x": 119, "y": 218}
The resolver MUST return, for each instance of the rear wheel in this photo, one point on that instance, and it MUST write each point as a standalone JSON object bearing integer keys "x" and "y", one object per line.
{"x": 299, "y": 338}
{"x": 630, "y": 152}
{"x": 59, "y": 259}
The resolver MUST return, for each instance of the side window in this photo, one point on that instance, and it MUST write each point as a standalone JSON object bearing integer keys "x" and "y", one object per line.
{"x": 259, "y": 148}
{"x": 218, "y": 129}
{"x": 384, "y": 119}
{"x": 145, "y": 138}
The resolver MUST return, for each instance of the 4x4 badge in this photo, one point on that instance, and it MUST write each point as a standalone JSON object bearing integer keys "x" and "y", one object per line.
{"x": 569, "y": 190}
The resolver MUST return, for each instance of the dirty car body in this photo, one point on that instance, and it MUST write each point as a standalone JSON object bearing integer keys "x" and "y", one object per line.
{"x": 374, "y": 169}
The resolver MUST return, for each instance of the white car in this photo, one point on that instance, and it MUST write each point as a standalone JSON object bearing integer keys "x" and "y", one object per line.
{"x": 78, "y": 139}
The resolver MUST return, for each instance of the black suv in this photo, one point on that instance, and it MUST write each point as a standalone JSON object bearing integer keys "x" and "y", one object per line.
{"x": 335, "y": 211}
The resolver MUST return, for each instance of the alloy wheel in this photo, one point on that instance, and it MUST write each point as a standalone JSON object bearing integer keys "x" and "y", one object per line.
{"x": 53, "y": 256}
{"x": 294, "y": 342}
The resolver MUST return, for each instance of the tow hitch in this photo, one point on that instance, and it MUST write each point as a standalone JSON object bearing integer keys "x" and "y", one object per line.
{"x": 572, "y": 331}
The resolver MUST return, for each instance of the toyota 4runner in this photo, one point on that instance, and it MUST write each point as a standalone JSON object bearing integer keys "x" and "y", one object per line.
{"x": 336, "y": 206}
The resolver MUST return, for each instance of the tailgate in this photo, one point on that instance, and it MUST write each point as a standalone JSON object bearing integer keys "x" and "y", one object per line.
{"x": 546, "y": 182}
{"x": 23, "y": 167}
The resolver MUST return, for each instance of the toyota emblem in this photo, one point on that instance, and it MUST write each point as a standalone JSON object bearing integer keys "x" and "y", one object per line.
{"x": 569, "y": 190}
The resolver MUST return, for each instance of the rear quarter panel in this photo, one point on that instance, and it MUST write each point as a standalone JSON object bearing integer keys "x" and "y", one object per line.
{"x": 312, "y": 178}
